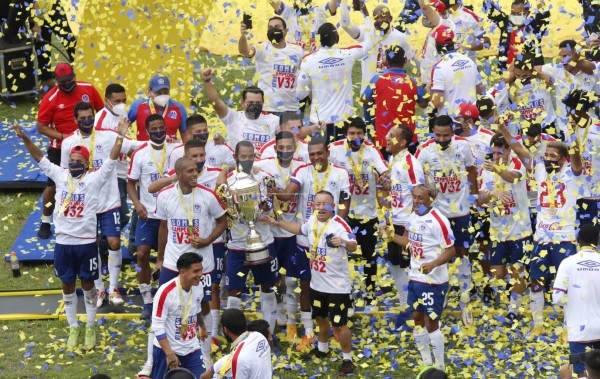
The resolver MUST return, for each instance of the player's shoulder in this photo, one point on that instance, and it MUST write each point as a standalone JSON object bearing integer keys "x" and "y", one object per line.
{"x": 340, "y": 222}
{"x": 428, "y": 145}
{"x": 516, "y": 163}
{"x": 267, "y": 145}
{"x": 202, "y": 187}
{"x": 140, "y": 150}
{"x": 51, "y": 95}
{"x": 439, "y": 217}
{"x": 487, "y": 132}
{"x": 339, "y": 169}
{"x": 166, "y": 289}
{"x": 166, "y": 190}
{"x": 470, "y": 14}
{"x": 302, "y": 168}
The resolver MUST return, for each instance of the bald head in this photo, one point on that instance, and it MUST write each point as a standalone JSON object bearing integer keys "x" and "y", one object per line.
{"x": 182, "y": 163}
{"x": 382, "y": 18}
{"x": 380, "y": 9}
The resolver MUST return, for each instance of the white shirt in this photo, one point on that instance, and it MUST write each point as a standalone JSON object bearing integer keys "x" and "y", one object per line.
{"x": 277, "y": 70}
{"x": 537, "y": 153}
{"x": 302, "y": 29}
{"x": 282, "y": 177}
{"x": 468, "y": 30}
{"x": 363, "y": 205}
{"x": 447, "y": 170}
{"x": 480, "y": 144}
{"x": 591, "y": 161}
{"x": 104, "y": 119}
{"x": 456, "y": 77}
{"x": 104, "y": 140}
{"x": 77, "y": 224}
{"x": 144, "y": 163}
{"x": 251, "y": 359}
{"x": 167, "y": 314}
{"x": 509, "y": 220}
{"x": 259, "y": 131}
{"x": 337, "y": 182}
{"x": 406, "y": 172}
{"x": 330, "y": 272}
{"x": 578, "y": 279}
{"x": 216, "y": 155}
{"x": 173, "y": 207}
{"x": 429, "y": 54}
{"x": 268, "y": 151}
{"x": 428, "y": 236}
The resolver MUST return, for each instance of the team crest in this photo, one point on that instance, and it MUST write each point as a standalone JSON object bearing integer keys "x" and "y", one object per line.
{"x": 333, "y": 185}
{"x": 85, "y": 98}
{"x": 172, "y": 115}
{"x": 211, "y": 160}
{"x": 196, "y": 207}
{"x": 99, "y": 148}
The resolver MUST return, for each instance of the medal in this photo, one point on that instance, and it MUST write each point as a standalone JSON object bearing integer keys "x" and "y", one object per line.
{"x": 189, "y": 211}
{"x": 552, "y": 211}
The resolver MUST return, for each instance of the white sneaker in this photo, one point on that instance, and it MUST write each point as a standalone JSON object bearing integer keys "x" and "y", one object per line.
{"x": 145, "y": 371}
{"x": 115, "y": 298}
{"x": 440, "y": 366}
{"x": 101, "y": 298}
{"x": 281, "y": 318}
{"x": 467, "y": 316}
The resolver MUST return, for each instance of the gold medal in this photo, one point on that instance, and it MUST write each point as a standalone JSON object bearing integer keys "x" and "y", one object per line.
{"x": 552, "y": 211}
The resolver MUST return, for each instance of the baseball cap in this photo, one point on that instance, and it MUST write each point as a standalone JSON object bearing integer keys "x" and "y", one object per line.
{"x": 438, "y": 5}
{"x": 468, "y": 110}
{"x": 159, "y": 82}
{"x": 64, "y": 70}
{"x": 443, "y": 35}
{"x": 81, "y": 150}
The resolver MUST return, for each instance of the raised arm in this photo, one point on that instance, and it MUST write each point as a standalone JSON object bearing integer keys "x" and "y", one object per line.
{"x": 516, "y": 147}
{"x": 35, "y": 151}
{"x": 220, "y": 107}
{"x": 432, "y": 15}
{"x": 243, "y": 47}
{"x": 352, "y": 30}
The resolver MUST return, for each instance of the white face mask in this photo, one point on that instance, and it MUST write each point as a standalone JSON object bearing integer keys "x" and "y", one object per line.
{"x": 119, "y": 109}
{"x": 161, "y": 100}
{"x": 517, "y": 20}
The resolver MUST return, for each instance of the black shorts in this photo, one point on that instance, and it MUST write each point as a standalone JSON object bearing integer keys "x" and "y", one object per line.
{"x": 53, "y": 155}
{"x": 481, "y": 222}
{"x": 365, "y": 236}
{"x": 396, "y": 254}
{"x": 330, "y": 305}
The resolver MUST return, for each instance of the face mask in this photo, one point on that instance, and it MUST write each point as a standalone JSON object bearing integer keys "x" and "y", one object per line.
{"x": 285, "y": 155}
{"x": 458, "y": 129}
{"x": 158, "y": 137}
{"x": 246, "y": 166}
{"x": 67, "y": 86}
{"x": 200, "y": 166}
{"x": 551, "y": 166}
{"x": 444, "y": 145}
{"x": 201, "y": 136}
{"x": 119, "y": 109}
{"x": 253, "y": 111}
{"x": 76, "y": 169}
{"x": 275, "y": 35}
{"x": 517, "y": 20}
{"x": 525, "y": 81}
{"x": 304, "y": 9}
{"x": 161, "y": 100}
{"x": 86, "y": 125}
{"x": 355, "y": 143}
{"x": 379, "y": 25}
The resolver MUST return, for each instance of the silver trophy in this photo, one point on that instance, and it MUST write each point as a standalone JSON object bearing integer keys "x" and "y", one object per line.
{"x": 243, "y": 199}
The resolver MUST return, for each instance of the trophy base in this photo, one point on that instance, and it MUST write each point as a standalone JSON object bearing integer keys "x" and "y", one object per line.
{"x": 258, "y": 256}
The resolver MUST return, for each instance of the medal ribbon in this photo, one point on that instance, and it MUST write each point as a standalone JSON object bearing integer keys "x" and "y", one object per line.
{"x": 227, "y": 365}
{"x": 189, "y": 211}
{"x": 319, "y": 186}
{"x": 72, "y": 188}
{"x": 318, "y": 234}
{"x": 357, "y": 167}
{"x": 160, "y": 167}
{"x": 91, "y": 146}
{"x": 186, "y": 307}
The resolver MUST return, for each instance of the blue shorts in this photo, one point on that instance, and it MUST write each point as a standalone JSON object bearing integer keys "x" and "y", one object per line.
{"x": 193, "y": 362}
{"x": 76, "y": 261}
{"x": 427, "y": 298}
{"x": 553, "y": 254}
{"x": 146, "y": 233}
{"x": 110, "y": 223}
{"x": 266, "y": 273}
{"x": 285, "y": 249}
{"x": 508, "y": 252}
{"x": 580, "y": 347}
{"x": 219, "y": 257}
{"x": 460, "y": 228}
{"x": 300, "y": 264}
{"x": 167, "y": 274}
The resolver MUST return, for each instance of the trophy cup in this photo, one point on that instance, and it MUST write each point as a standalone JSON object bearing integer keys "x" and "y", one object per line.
{"x": 243, "y": 203}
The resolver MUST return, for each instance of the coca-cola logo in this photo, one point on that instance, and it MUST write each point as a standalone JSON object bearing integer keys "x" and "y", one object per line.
{"x": 551, "y": 227}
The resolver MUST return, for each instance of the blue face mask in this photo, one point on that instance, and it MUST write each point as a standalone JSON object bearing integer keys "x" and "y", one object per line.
{"x": 200, "y": 165}
{"x": 76, "y": 169}
{"x": 201, "y": 136}
{"x": 285, "y": 155}
{"x": 158, "y": 137}
{"x": 86, "y": 125}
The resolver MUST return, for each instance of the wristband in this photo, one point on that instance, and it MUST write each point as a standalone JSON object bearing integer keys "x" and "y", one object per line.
{"x": 120, "y": 137}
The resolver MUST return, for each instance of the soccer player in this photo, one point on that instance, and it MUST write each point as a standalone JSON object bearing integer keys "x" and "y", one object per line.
{"x": 291, "y": 122}
{"x": 470, "y": 35}
{"x": 465, "y": 126}
{"x": 177, "y": 321}
{"x": 449, "y": 165}
{"x": 276, "y": 63}
{"x": 429, "y": 239}
{"x": 331, "y": 240}
{"x": 148, "y": 164}
{"x": 306, "y": 181}
{"x": 365, "y": 165}
{"x": 76, "y": 252}
{"x": 55, "y": 121}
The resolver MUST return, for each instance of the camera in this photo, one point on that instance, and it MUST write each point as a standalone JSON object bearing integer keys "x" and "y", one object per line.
{"x": 328, "y": 239}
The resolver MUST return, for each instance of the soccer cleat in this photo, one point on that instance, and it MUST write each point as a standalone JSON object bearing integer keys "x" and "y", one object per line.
{"x": 90, "y": 338}
{"x": 147, "y": 312}
{"x": 291, "y": 332}
{"x": 488, "y": 295}
{"x": 347, "y": 368}
{"x": 44, "y": 231}
{"x": 536, "y": 331}
{"x": 401, "y": 320}
{"x": 145, "y": 372}
{"x": 467, "y": 316}
{"x": 281, "y": 318}
{"x": 115, "y": 298}
{"x": 305, "y": 343}
{"x": 440, "y": 366}
{"x": 315, "y": 353}
{"x": 101, "y": 298}
{"x": 73, "y": 336}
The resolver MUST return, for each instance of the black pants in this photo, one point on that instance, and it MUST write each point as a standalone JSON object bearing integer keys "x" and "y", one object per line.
{"x": 365, "y": 237}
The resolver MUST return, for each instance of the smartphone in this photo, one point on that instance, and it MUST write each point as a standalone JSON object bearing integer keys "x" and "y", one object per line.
{"x": 356, "y": 5}
{"x": 247, "y": 21}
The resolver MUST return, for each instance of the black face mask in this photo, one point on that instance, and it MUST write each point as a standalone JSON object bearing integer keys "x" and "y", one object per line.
{"x": 525, "y": 81}
{"x": 246, "y": 166}
{"x": 379, "y": 26}
{"x": 551, "y": 166}
{"x": 67, "y": 86}
{"x": 444, "y": 145}
{"x": 158, "y": 137}
{"x": 201, "y": 136}
{"x": 253, "y": 111}
{"x": 304, "y": 11}
{"x": 86, "y": 125}
{"x": 200, "y": 166}
{"x": 458, "y": 129}
{"x": 275, "y": 35}
{"x": 285, "y": 156}
{"x": 76, "y": 169}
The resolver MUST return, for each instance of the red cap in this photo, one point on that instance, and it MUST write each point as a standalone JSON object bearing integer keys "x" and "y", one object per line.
{"x": 63, "y": 69}
{"x": 468, "y": 110}
{"x": 443, "y": 35}
{"x": 81, "y": 150}
{"x": 438, "y": 5}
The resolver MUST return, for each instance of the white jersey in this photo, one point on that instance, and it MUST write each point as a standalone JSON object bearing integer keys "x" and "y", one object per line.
{"x": 216, "y": 155}
{"x": 456, "y": 77}
{"x": 103, "y": 141}
{"x": 105, "y": 120}
{"x": 277, "y": 70}
{"x": 251, "y": 359}
{"x": 480, "y": 144}
{"x": 509, "y": 220}
{"x": 147, "y": 166}
{"x": 578, "y": 277}
{"x": 259, "y": 131}
{"x": 557, "y": 204}
{"x": 335, "y": 180}
{"x": 406, "y": 172}
{"x": 268, "y": 151}
{"x": 327, "y": 75}
{"x": 282, "y": 177}
{"x": 330, "y": 272}
{"x": 302, "y": 29}
{"x": 239, "y": 231}
{"x": 364, "y": 198}
{"x": 537, "y": 153}
{"x": 428, "y": 236}
{"x": 468, "y": 30}
{"x": 447, "y": 170}
{"x": 591, "y": 161}
{"x": 172, "y": 206}
{"x": 77, "y": 201}
{"x": 166, "y": 317}
{"x": 429, "y": 54}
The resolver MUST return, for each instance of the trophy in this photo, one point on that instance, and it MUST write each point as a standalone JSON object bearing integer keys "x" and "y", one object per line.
{"x": 243, "y": 200}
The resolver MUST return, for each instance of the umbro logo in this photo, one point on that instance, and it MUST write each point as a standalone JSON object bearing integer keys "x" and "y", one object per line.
{"x": 461, "y": 63}
{"x": 261, "y": 346}
{"x": 331, "y": 61}
{"x": 589, "y": 264}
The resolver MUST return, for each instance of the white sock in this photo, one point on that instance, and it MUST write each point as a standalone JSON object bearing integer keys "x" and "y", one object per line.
{"x": 515, "y": 302}
{"x": 465, "y": 280}
{"x": 346, "y": 356}
{"x": 400, "y": 277}
{"x": 99, "y": 283}
{"x": 323, "y": 346}
{"x": 150, "y": 349}
{"x": 422, "y": 341}
{"x": 307, "y": 321}
{"x": 536, "y": 304}
{"x": 234, "y": 302}
{"x": 436, "y": 339}
{"x": 269, "y": 309}
{"x": 115, "y": 258}
{"x": 205, "y": 345}
{"x": 47, "y": 219}
{"x": 70, "y": 301}
{"x": 291, "y": 299}
{"x": 215, "y": 314}
{"x": 146, "y": 291}
{"x": 91, "y": 297}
